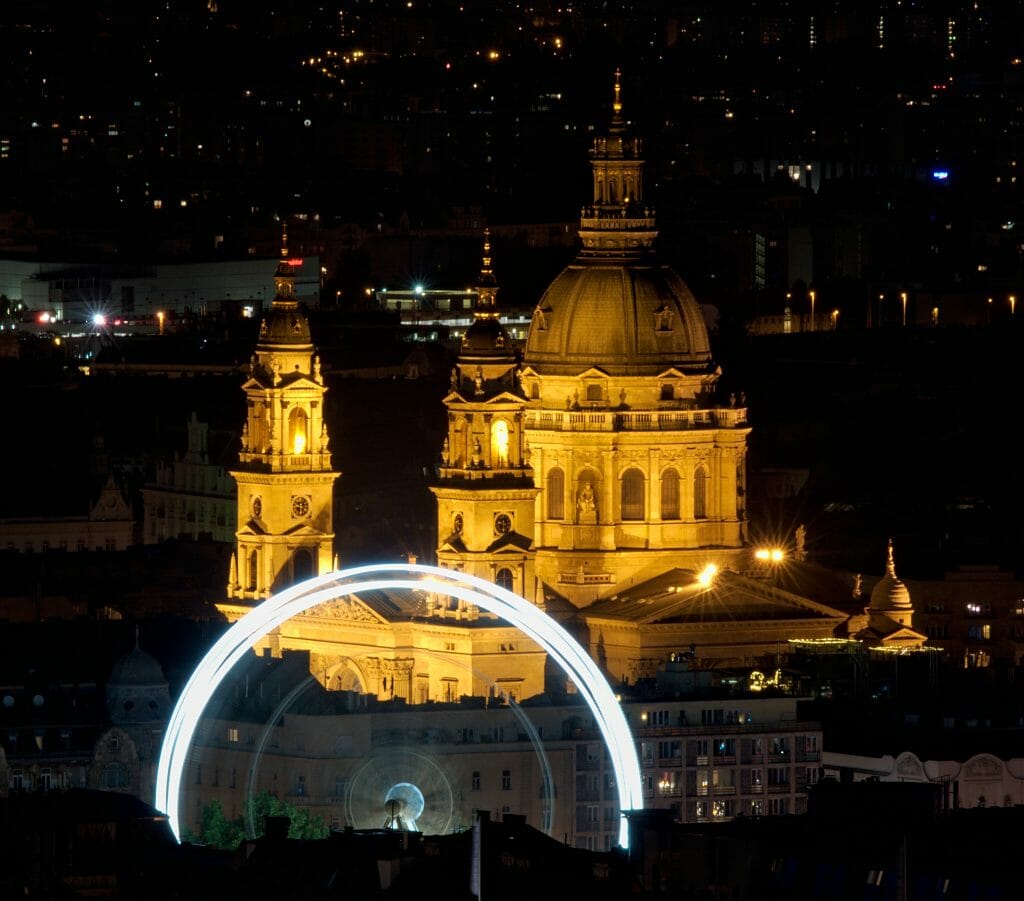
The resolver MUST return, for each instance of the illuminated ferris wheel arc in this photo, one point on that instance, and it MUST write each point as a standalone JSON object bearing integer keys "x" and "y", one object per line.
{"x": 271, "y": 613}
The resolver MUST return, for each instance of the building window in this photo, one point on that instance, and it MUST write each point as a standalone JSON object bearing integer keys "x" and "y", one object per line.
{"x": 778, "y": 775}
{"x": 633, "y": 495}
{"x": 476, "y": 781}
{"x": 757, "y": 807}
{"x": 595, "y": 392}
{"x": 340, "y": 787}
{"x": 702, "y": 810}
{"x": 700, "y": 509}
{"x": 298, "y": 440}
{"x": 721, "y": 809}
{"x": 254, "y": 569}
{"x": 449, "y": 689}
{"x": 506, "y": 780}
{"x": 670, "y": 749}
{"x": 556, "y": 494}
{"x": 233, "y": 735}
{"x": 670, "y": 494}
{"x": 113, "y": 776}
{"x": 503, "y": 579}
{"x": 778, "y": 807}
{"x": 499, "y": 444}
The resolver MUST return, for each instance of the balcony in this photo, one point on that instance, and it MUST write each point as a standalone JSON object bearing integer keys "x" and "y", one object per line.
{"x": 604, "y": 420}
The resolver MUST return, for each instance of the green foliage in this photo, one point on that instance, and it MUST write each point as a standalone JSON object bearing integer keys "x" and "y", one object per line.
{"x": 217, "y": 830}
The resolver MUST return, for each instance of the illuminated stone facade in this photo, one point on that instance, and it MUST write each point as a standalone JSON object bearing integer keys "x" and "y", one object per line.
{"x": 409, "y": 645}
{"x": 284, "y": 475}
{"x": 641, "y": 467}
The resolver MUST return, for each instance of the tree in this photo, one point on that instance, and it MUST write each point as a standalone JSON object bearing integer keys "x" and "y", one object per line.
{"x": 217, "y": 830}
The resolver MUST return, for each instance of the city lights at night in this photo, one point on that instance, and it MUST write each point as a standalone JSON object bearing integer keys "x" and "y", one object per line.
{"x": 504, "y": 450}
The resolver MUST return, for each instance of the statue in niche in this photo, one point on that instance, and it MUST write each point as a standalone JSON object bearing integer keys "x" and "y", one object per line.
{"x": 317, "y": 377}
{"x": 445, "y": 451}
{"x": 586, "y": 503}
{"x": 478, "y": 453}
{"x": 478, "y": 381}
{"x": 453, "y": 379}
{"x": 801, "y": 541}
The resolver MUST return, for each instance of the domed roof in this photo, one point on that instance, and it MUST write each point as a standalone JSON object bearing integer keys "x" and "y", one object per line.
{"x": 617, "y": 308}
{"x": 486, "y": 338}
{"x": 890, "y": 593}
{"x": 285, "y": 324}
{"x": 137, "y": 668}
{"x": 625, "y": 317}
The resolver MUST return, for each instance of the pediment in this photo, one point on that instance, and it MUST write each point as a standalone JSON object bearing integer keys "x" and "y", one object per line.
{"x": 253, "y": 527}
{"x": 348, "y": 608}
{"x": 510, "y": 543}
{"x": 455, "y": 399}
{"x": 302, "y": 530}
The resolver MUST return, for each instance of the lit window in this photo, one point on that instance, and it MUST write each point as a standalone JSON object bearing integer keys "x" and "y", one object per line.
{"x": 556, "y": 494}
{"x": 633, "y": 495}
{"x": 670, "y": 494}
{"x": 700, "y": 494}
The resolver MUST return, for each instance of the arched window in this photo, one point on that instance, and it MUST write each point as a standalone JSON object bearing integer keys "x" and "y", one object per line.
{"x": 700, "y": 501}
{"x": 556, "y": 494}
{"x": 302, "y": 565}
{"x": 254, "y": 570}
{"x": 499, "y": 444}
{"x": 670, "y": 494}
{"x": 633, "y": 494}
{"x": 298, "y": 435}
{"x": 503, "y": 578}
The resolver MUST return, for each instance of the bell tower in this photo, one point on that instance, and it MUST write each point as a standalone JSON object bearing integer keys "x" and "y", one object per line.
{"x": 284, "y": 475}
{"x": 485, "y": 493}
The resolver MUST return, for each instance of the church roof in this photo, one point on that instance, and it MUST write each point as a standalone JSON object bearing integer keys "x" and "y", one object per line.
{"x": 890, "y": 593}
{"x": 675, "y": 596}
{"x": 629, "y": 318}
{"x": 617, "y": 306}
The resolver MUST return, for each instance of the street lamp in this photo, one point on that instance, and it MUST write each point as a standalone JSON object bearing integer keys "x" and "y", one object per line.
{"x": 812, "y": 310}
{"x": 903, "y": 297}
{"x": 1013, "y": 303}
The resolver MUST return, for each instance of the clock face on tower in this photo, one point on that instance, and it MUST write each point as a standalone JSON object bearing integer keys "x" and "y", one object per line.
{"x": 457, "y": 524}
{"x": 300, "y": 506}
{"x": 502, "y": 523}
{"x": 257, "y": 507}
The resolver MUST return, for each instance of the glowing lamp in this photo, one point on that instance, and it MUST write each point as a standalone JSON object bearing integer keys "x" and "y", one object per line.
{"x": 295, "y": 262}
{"x": 99, "y": 319}
{"x": 707, "y": 575}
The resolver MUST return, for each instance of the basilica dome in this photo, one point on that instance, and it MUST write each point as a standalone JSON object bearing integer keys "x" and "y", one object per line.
{"x": 626, "y": 317}
{"x": 617, "y": 308}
